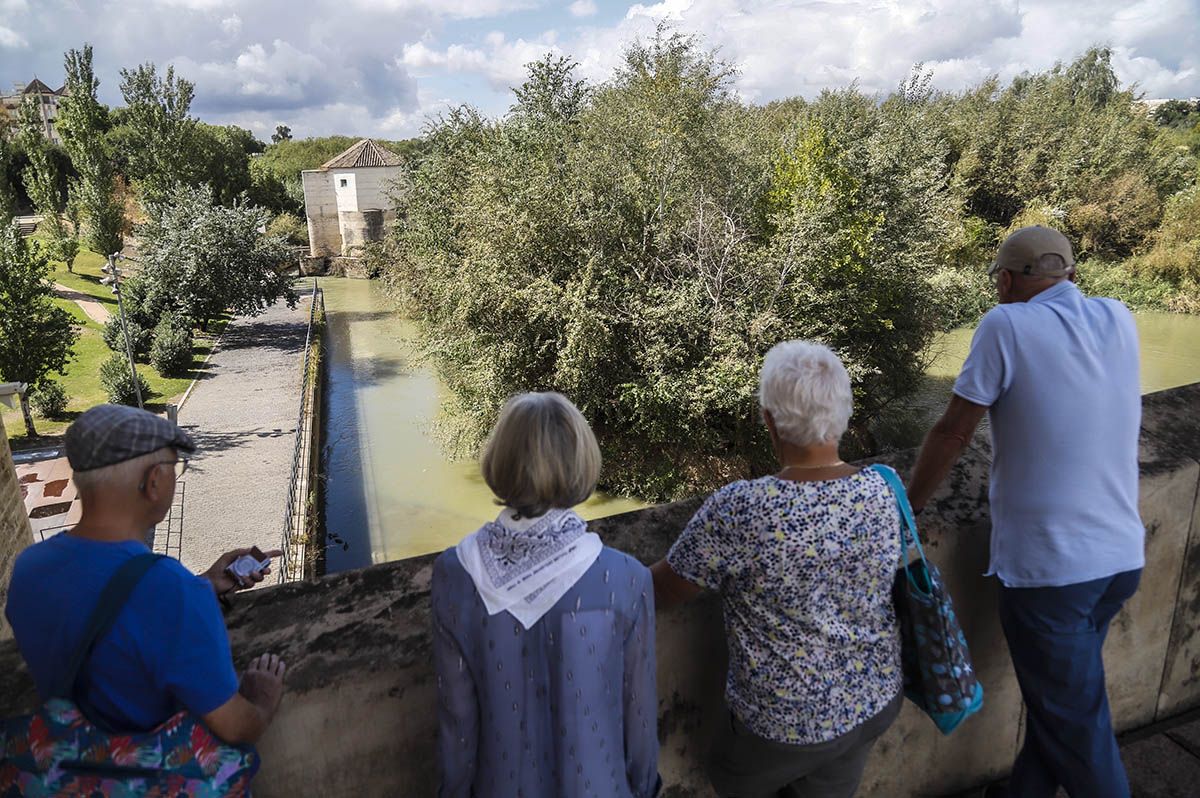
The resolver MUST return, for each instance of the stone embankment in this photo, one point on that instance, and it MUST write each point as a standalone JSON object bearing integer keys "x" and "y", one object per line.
{"x": 359, "y": 717}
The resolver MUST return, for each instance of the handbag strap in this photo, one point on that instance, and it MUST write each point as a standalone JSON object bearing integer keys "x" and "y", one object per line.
{"x": 908, "y": 522}
{"x": 112, "y": 600}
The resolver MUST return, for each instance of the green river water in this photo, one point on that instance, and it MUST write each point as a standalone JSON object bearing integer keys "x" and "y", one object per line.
{"x": 391, "y": 492}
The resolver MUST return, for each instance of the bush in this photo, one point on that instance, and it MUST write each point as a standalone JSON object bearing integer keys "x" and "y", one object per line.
{"x": 290, "y": 227}
{"x": 49, "y": 399}
{"x": 171, "y": 352}
{"x": 117, "y": 382}
{"x": 139, "y": 337}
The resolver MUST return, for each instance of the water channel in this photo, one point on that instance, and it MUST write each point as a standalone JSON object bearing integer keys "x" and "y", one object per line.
{"x": 387, "y": 474}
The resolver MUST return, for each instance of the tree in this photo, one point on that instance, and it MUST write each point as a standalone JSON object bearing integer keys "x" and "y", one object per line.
{"x": 43, "y": 184}
{"x": 201, "y": 260}
{"x": 7, "y": 200}
{"x": 159, "y": 135}
{"x": 82, "y": 123}
{"x": 223, "y": 160}
{"x": 282, "y": 133}
{"x": 36, "y": 337}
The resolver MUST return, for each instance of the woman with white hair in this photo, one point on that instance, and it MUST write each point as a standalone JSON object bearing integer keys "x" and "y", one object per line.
{"x": 803, "y": 561}
{"x": 543, "y": 636}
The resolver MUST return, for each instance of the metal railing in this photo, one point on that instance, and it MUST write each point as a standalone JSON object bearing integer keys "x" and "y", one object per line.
{"x": 298, "y": 515}
{"x": 168, "y": 533}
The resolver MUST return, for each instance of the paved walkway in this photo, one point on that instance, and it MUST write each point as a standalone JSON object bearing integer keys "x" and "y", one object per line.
{"x": 242, "y": 413}
{"x": 1162, "y": 761}
{"x": 90, "y": 305}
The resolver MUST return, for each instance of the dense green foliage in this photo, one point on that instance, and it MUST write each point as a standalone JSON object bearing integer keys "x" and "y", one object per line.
{"x": 118, "y": 381}
{"x": 82, "y": 123}
{"x": 638, "y": 245}
{"x": 114, "y": 335}
{"x": 200, "y": 260}
{"x": 36, "y": 336}
{"x": 158, "y": 133}
{"x": 50, "y": 399}
{"x": 43, "y": 184}
{"x": 171, "y": 352}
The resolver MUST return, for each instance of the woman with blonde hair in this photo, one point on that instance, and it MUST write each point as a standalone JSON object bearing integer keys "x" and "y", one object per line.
{"x": 803, "y": 561}
{"x": 543, "y": 636}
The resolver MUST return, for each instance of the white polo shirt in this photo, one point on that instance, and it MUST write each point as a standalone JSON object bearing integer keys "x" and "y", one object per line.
{"x": 1059, "y": 375}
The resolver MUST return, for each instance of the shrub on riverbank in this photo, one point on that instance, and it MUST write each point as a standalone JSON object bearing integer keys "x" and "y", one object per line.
{"x": 638, "y": 245}
{"x": 118, "y": 381}
{"x": 49, "y": 399}
{"x": 171, "y": 352}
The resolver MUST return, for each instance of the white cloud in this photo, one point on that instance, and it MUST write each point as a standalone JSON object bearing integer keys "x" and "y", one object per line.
{"x": 263, "y": 62}
{"x": 453, "y": 9}
{"x": 582, "y": 8}
{"x": 198, "y": 5}
{"x": 9, "y": 38}
{"x": 501, "y": 61}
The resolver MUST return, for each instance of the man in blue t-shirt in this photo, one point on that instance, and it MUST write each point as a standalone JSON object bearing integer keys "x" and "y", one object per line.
{"x": 168, "y": 649}
{"x": 1057, "y": 374}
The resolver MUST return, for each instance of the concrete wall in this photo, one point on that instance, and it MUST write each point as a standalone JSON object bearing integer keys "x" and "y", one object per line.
{"x": 359, "y": 715}
{"x": 321, "y": 212}
{"x": 15, "y": 534}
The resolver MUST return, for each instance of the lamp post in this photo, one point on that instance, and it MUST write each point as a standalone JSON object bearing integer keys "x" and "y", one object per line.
{"x": 114, "y": 279}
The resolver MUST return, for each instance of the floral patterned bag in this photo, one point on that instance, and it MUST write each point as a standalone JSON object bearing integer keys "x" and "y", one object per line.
{"x": 58, "y": 751}
{"x": 938, "y": 674}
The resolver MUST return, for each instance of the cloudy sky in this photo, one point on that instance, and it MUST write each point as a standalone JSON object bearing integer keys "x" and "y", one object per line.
{"x": 381, "y": 67}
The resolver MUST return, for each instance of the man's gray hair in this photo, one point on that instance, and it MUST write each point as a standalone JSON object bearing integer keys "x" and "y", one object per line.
{"x": 125, "y": 475}
{"x": 807, "y": 390}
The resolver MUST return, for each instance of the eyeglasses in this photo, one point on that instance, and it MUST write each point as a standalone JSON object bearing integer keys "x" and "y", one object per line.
{"x": 180, "y": 465}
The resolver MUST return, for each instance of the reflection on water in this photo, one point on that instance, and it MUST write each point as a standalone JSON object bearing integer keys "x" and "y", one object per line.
{"x": 390, "y": 493}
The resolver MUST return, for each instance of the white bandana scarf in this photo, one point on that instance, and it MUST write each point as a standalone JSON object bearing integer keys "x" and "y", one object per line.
{"x": 526, "y": 565}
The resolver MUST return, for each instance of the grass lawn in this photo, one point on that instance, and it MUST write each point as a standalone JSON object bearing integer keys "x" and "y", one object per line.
{"x": 82, "y": 377}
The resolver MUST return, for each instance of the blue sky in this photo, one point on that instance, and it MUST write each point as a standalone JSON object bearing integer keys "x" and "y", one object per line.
{"x": 381, "y": 67}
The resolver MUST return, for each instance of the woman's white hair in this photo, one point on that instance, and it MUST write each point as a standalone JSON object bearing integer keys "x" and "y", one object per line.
{"x": 807, "y": 391}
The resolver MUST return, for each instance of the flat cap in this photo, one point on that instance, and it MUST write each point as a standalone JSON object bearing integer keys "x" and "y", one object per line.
{"x": 109, "y": 434}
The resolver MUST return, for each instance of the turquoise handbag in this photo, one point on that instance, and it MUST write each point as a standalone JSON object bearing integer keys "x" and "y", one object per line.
{"x": 938, "y": 674}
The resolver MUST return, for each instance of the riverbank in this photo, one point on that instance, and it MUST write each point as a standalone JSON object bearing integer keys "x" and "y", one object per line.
{"x": 390, "y": 492}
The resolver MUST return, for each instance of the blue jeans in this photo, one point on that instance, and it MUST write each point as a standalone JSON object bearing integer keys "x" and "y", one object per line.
{"x": 1055, "y": 636}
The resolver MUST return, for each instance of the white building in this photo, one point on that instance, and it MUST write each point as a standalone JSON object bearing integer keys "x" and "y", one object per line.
{"x": 346, "y": 200}
{"x": 46, "y": 100}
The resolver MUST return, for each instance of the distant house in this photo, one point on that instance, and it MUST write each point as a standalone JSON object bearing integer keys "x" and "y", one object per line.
{"x": 346, "y": 201}
{"x": 47, "y": 101}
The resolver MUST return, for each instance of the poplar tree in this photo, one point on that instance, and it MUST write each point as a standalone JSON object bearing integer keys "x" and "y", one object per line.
{"x": 42, "y": 184}
{"x": 162, "y": 134}
{"x": 82, "y": 121}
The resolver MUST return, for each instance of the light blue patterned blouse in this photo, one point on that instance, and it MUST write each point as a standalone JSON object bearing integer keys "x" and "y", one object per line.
{"x": 804, "y": 570}
{"x": 565, "y": 709}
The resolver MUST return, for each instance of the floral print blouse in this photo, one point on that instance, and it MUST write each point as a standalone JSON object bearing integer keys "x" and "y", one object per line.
{"x": 804, "y": 570}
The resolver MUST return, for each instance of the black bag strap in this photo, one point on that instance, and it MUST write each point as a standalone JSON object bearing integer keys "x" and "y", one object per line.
{"x": 112, "y": 600}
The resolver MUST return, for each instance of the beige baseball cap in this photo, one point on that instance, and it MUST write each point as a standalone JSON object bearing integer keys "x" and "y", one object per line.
{"x": 1025, "y": 251}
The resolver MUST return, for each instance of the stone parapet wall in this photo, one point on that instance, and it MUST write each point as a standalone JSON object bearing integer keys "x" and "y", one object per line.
{"x": 359, "y": 717}
{"x": 15, "y": 534}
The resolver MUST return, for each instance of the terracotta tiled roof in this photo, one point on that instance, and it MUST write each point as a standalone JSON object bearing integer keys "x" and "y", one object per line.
{"x": 37, "y": 87}
{"x": 364, "y": 153}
